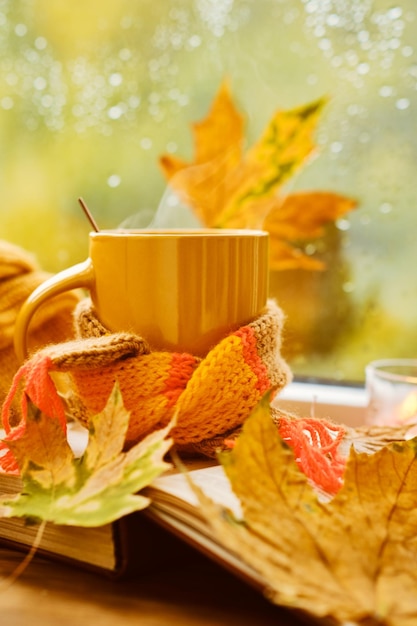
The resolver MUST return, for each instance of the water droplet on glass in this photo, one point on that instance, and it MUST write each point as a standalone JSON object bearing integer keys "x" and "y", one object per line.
{"x": 20, "y": 30}
{"x": 402, "y": 104}
{"x": 319, "y": 31}
{"x": 134, "y": 102}
{"x": 310, "y": 249}
{"x": 47, "y": 101}
{"x": 39, "y": 83}
{"x": 365, "y": 219}
{"x": 353, "y": 109}
{"x": 194, "y": 41}
{"x": 413, "y": 71}
{"x": 7, "y": 103}
{"x": 32, "y": 56}
{"x": 115, "y": 112}
{"x": 146, "y": 143}
{"x": 125, "y": 54}
{"x": 333, "y": 19}
{"x": 395, "y": 13}
{"x": 394, "y": 43}
{"x": 343, "y": 224}
{"x": 336, "y": 147}
{"x": 363, "y": 36}
{"x": 114, "y": 180}
{"x": 325, "y": 44}
{"x": 348, "y": 287}
{"x": 11, "y": 78}
{"x": 40, "y": 43}
{"x": 385, "y": 207}
{"x": 115, "y": 79}
{"x": 363, "y": 68}
{"x": 386, "y": 91}
{"x": 352, "y": 57}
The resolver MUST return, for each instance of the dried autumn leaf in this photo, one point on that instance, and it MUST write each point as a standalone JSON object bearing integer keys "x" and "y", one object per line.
{"x": 284, "y": 256}
{"x": 301, "y": 216}
{"x": 228, "y": 188}
{"x": 207, "y": 182}
{"x": 294, "y": 218}
{"x": 284, "y": 146}
{"x": 94, "y": 489}
{"x": 351, "y": 559}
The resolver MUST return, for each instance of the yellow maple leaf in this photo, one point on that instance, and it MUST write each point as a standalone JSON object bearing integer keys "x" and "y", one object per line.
{"x": 227, "y": 187}
{"x": 351, "y": 559}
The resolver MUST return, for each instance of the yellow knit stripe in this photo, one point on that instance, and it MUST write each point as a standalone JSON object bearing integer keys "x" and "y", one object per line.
{"x": 219, "y": 396}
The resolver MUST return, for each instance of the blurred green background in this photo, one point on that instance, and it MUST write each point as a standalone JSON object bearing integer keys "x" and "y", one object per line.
{"x": 93, "y": 92}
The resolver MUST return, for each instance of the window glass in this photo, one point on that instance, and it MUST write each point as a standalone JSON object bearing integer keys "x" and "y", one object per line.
{"x": 92, "y": 94}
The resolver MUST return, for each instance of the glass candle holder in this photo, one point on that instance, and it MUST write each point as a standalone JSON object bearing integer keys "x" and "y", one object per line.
{"x": 391, "y": 385}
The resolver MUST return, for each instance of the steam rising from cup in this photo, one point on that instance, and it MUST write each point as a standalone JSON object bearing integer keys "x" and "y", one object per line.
{"x": 171, "y": 213}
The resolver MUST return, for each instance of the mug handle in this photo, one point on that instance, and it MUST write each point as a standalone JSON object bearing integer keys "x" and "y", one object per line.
{"x": 77, "y": 276}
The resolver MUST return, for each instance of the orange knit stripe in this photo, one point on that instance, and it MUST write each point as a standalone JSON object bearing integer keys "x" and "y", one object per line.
{"x": 137, "y": 378}
{"x": 142, "y": 383}
{"x": 181, "y": 370}
{"x": 252, "y": 358}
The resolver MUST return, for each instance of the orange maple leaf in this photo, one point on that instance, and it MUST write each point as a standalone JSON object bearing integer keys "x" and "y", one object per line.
{"x": 301, "y": 216}
{"x": 209, "y": 181}
{"x": 228, "y": 188}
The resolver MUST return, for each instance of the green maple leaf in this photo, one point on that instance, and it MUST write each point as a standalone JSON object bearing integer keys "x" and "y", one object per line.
{"x": 92, "y": 490}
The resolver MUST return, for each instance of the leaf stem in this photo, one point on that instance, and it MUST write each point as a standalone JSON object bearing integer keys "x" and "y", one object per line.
{"x": 8, "y": 581}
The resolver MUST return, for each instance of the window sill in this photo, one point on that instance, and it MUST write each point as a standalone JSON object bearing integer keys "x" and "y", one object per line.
{"x": 342, "y": 404}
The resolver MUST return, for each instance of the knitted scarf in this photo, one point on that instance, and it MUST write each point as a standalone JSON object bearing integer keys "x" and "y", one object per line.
{"x": 210, "y": 396}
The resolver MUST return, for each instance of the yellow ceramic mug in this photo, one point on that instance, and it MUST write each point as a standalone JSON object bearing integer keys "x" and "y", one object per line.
{"x": 182, "y": 290}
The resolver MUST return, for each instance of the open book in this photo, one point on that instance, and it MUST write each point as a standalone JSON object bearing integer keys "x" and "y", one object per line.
{"x": 175, "y": 507}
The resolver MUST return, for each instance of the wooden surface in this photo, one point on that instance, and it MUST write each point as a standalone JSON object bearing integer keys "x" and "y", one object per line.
{"x": 194, "y": 591}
